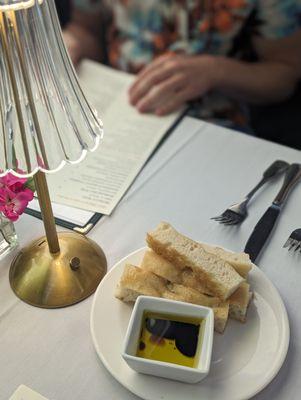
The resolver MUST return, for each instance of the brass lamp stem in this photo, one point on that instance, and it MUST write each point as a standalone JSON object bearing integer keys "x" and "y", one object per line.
{"x": 47, "y": 213}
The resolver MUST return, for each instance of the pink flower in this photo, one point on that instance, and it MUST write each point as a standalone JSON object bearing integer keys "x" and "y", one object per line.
{"x": 12, "y": 182}
{"x": 12, "y": 205}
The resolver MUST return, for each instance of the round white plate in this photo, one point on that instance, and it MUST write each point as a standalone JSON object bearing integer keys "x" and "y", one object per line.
{"x": 245, "y": 358}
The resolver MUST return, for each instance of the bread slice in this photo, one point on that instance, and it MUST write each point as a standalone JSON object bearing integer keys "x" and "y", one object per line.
{"x": 221, "y": 314}
{"x": 218, "y": 275}
{"x": 240, "y": 261}
{"x": 156, "y": 264}
{"x": 238, "y": 301}
{"x": 160, "y": 266}
{"x": 175, "y": 291}
{"x": 135, "y": 282}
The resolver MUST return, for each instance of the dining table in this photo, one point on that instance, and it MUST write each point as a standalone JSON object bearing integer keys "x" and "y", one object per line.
{"x": 197, "y": 172}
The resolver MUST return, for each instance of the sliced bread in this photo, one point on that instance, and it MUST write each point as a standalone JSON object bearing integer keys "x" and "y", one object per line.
{"x": 135, "y": 282}
{"x": 238, "y": 301}
{"x": 218, "y": 275}
{"x": 160, "y": 266}
{"x": 221, "y": 314}
{"x": 152, "y": 262}
{"x": 240, "y": 261}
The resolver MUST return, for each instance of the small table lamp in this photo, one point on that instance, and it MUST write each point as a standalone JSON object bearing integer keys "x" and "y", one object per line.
{"x": 45, "y": 122}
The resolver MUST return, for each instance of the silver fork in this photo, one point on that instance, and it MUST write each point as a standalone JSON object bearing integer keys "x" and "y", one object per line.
{"x": 294, "y": 241}
{"x": 238, "y": 212}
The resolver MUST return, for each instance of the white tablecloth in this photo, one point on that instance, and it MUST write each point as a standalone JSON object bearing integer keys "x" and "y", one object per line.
{"x": 197, "y": 172}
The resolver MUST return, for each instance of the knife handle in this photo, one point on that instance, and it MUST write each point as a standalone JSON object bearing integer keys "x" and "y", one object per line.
{"x": 261, "y": 232}
{"x": 292, "y": 176}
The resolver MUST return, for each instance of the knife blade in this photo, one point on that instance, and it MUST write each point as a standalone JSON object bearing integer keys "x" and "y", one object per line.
{"x": 267, "y": 222}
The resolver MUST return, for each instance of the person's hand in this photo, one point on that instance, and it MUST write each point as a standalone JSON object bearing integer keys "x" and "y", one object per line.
{"x": 172, "y": 80}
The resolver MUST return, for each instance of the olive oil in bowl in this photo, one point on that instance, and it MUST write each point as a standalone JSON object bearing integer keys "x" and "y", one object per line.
{"x": 171, "y": 339}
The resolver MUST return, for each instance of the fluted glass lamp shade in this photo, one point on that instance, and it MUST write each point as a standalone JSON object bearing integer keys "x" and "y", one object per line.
{"x": 45, "y": 122}
{"x": 45, "y": 118}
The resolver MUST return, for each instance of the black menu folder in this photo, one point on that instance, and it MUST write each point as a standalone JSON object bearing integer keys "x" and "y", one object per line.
{"x": 67, "y": 217}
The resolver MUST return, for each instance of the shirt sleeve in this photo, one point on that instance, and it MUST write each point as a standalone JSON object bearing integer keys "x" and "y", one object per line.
{"x": 278, "y": 18}
{"x": 87, "y": 5}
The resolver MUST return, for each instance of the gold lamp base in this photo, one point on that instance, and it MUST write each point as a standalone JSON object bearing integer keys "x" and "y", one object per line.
{"x": 58, "y": 280}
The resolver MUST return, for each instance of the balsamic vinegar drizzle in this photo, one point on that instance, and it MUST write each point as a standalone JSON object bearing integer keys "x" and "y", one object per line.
{"x": 170, "y": 339}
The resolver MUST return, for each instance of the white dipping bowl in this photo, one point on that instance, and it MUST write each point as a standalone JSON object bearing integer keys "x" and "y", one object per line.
{"x": 164, "y": 369}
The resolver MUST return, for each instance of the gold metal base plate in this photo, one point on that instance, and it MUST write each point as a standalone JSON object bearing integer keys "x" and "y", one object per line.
{"x": 58, "y": 280}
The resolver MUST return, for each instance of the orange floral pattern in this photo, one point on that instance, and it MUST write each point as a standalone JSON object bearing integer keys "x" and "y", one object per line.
{"x": 222, "y": 15}
{"x": 144, "y": 29}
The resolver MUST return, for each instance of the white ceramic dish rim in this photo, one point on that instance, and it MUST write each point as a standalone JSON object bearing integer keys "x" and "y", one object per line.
{"x": 178, "y": 367}
{"x": 284, "y": 344}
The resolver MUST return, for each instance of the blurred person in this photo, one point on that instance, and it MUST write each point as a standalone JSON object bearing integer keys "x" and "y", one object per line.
{"x": 218, "y": 55}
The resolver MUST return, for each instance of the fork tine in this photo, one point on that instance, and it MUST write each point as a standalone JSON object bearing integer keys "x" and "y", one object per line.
{"x": 298, "y": 246}
{"x": 237, "y": 218}
{"x": 294, "y": 241}
{"x": 293, "y": 244}
{"x": 232, "y": 222}
{"x": 218, "y": 218}
{"x": 232, "y": 219}
{"x": 222, "y": 217}
{"x": 225, "y": 220}
{"x": 288, "y": 242}
{"x": 229, "y": 217}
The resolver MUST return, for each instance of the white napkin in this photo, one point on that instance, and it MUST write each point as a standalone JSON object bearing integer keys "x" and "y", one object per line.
{"x": 25, "y": 393}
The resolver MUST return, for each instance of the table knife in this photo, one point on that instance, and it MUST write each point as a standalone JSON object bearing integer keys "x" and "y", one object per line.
{"x": 267, "y": 222}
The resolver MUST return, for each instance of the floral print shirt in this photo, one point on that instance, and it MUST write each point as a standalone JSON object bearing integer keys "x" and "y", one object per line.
{"x": 141, "y": 30}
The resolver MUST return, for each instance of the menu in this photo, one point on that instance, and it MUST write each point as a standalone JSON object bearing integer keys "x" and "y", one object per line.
{"x": 99, "y": 182}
